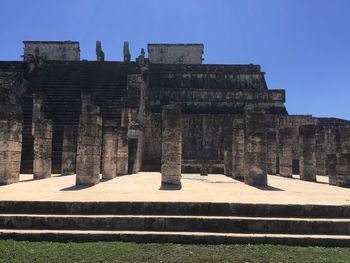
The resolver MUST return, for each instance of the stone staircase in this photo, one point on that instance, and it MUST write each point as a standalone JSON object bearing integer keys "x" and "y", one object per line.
{"x": 62, "y": 83}
{"x": 176, "y": 222}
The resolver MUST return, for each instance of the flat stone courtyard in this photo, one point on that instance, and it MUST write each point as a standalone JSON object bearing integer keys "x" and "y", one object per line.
{"x": 145, "y": 186}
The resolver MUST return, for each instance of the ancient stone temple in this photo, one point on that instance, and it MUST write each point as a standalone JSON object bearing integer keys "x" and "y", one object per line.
{"x": 167, "y": 112}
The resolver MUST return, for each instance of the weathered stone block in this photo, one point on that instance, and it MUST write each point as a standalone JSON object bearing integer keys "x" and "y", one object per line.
{"x": 238, "y": 146}
{"x": 89, "y": 146}
{"x": 171, "y": 145}
{"x": 69, "y": 149}
{"x": 42, "y": 149}
{"x": 10, "y": 150}
{"x": 228, "y": 151}
{"x": 110, "y": 145}
{"x": 122, "y": 151}
{"x": 271, "y": 157}
{"x": 255, "y": 147}
{"x": 307, "y": 159}
{"x": 286, "y": 152}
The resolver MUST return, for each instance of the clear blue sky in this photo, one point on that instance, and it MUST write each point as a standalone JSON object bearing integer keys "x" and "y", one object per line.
{"x": 302, "y": 45}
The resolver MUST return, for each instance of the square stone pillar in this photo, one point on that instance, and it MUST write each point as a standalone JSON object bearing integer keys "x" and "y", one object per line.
{"x": 238, "y": 146}
{"x": 122, "y": 151}
{"x": 10, "y": 150}
{"x": 89, "y": 146}
{"x": 342, "y": 143}
{"x": 321, "y": 156}
{"x": 331, "y": 155}
{"x": 286, "y": 152}
{"x": 69, "y": 150}
{"x": 171, "y": 145}
{"x": 271, "y": 158}
{"x": 42, "y": 149}
{"x": 228, "y": 150}
{"x": 37, "y": 113}
{"x": 307, "y": 157}
{"x": 109, "y": 156}
{"x": 256, "y": 147}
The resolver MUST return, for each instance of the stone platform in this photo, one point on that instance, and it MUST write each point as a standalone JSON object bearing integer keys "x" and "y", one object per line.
{"x": 145, "y": 186}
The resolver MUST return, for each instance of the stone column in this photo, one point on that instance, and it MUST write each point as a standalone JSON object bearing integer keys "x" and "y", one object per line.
{"x": 89, "y": 146}
{"x": 42, "y": 149}
{"x": 286, "y": 152}
{"x": 69, "y": 150}
{"x": 331, "y": 155}
{"x": 342, "y": 140}
{"x": 238, "y": 145}
{"x": 307, "y": 157}
{"x": 271, "y": 159}
{"x": 122, "y": 151}
{"x": 320, "y": 151}
{"x": 109, "y": 157}
{"x": 171, "y": 145}
{"x": 228, "y": 151}
{"x": 37, "y": 113}
{"x": 256, "y": 147}
{"x": 10, "y": 150}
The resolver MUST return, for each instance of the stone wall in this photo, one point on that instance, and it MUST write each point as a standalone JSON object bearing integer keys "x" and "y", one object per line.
{"x": 175, "y": 53}
{"x": 53, "y": 50}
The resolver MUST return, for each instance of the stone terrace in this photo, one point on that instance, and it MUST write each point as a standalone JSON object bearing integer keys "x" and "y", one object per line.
{"x": 145, "y": 186}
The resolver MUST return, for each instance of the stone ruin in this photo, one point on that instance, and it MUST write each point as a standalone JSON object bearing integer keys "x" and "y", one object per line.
{"x": 168, "y": 112}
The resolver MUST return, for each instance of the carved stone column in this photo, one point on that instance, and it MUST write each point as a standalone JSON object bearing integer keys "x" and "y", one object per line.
{"x": 256, "y": 147}
{"x": 320, "y": 151}
{"x": 109, "y": 156}
{"x": 238, "y": 145}
{"x": 69, "y": 150}
{"x": 89, "y": 146}
{"x": 271, "y": 159}
{"x": 286, "y": 152}
{"x": 342, "y": 140}
{"x": 10, "y": 150}
{"x": 307, "y": 159}
{"x": 42, "y": 149}
{"x": 171, "y": 145}
{"x": 122, "y": 151}
{"x": 228, "y": 150}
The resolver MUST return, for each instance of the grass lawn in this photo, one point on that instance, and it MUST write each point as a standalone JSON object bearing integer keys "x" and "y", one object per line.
{"x": 24, "y": 251}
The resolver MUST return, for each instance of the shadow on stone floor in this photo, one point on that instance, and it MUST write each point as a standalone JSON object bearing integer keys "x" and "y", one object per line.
{"x": 76, "y": 187}
{"x": 170, "y": 187}
{"x": 266, "y": 188}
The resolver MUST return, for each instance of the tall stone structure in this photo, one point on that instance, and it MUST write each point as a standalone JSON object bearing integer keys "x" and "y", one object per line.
{"x": 238, "y": 149}
{"x": 255, "y": 147}
{"x": 271, "y": 156}
{"x": 10, "y": 150}
{"x": 109, "y": 156}
{"x": 340, "y": 160}
{"x": 321, "y": 151}
{"x": 171, "y": 145}
{"x": 122, "y": 151}
{"x": 89, "y": 143}
{"x": 307, "y": 159}
{"x": 133, "y": 93}
{"x": 286, "y": 152}
{"x": 69, "y": 150}
{"x": 42, "y": 149}
{"x": 228, "y": 151}
{"x": 12, "y": 87}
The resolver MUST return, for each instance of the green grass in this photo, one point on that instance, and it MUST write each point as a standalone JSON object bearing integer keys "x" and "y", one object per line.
{"x": 24, "y": 251}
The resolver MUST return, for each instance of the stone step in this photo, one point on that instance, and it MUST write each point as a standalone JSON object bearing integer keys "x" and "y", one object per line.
{"x": 175, "y": 208}
{"x": 220, "y": 224}
{"x": 175, "y": 237}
